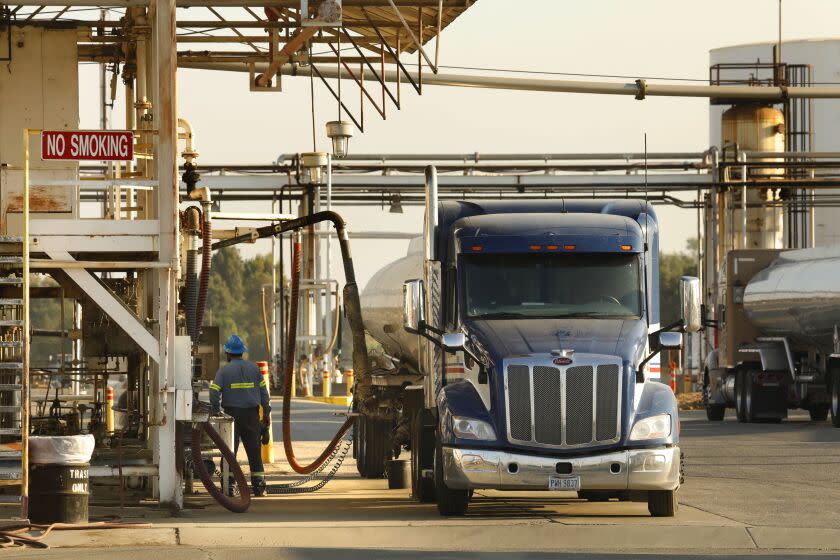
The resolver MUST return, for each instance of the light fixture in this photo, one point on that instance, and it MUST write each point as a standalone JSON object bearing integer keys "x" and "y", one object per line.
{"x": 396, "y": 205}
{"x": 313, "y": 165}
{"x": 340, "y": 132}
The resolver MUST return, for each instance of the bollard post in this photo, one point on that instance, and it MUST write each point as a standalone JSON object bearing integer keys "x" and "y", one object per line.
{"x": 325, "y": 384}
{"x": 294, "y": 384}
{"x": 109, "y": 409}
{"x": 268, "y": 448}
{"x": 672, "y": 373}
{"x": 348, "y": 379}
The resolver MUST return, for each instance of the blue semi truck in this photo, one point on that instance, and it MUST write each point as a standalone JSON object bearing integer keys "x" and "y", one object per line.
{"x": 522, "y": 339}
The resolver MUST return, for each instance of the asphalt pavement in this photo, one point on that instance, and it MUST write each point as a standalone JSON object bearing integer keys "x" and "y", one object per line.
{"x": 752, "y": 491}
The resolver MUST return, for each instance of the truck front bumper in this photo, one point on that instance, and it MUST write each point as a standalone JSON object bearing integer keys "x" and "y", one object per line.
{"x": 636, "y": 469}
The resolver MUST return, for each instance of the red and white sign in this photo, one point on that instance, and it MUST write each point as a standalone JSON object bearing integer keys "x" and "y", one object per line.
{"x": 87, "y": 145}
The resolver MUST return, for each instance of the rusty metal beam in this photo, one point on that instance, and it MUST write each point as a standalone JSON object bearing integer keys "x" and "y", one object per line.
{"x": 243, "y": 3}
{"x": 296, "y": 42}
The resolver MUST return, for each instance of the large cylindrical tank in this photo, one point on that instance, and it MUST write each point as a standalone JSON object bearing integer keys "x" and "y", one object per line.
{"x": 382, "y": 304}
{"x": 798, "y": 296}
{"x": 757, "y": 127}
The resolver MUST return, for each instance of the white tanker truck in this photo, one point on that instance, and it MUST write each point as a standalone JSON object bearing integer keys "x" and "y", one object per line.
{"x": 778, "y": 343}
{"x": 525, "y": 343}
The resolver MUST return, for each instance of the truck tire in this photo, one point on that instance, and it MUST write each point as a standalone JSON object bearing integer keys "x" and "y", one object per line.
{"x": 835, "y": 401}
{"x": 750, "y": 398}
{"x": 715, "y": 412}
{"x": 422, "y": 457}
{"x": 358, "y": 437}
{"x": 450, "y": 502}
{"x": 663, "y": 503}
{"x": 740, "y": 397}
{"x": 374, "y": 446}
{"x": 818, "y": 413}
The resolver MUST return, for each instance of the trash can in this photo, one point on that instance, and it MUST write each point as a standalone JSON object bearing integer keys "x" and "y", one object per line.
{"x": 59, "y": 483}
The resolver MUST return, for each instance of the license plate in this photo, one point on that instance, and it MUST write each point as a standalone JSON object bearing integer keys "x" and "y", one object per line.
{"x": 564, "y": 483}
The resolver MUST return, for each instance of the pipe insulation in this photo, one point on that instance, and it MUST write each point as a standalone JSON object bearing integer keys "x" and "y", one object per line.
{"x": 640, "y": 89}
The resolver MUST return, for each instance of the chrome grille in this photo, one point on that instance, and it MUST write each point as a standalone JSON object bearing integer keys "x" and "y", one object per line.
{"x": 548, "y": 427}
{"x": 578, "y": 405}
{"x": 607, "y": 403}
{"x": 519, "y": 395}
{"x": 571, "y": 406}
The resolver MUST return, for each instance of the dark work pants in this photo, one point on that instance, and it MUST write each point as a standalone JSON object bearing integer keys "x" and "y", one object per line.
{"x": 246, "y": 426}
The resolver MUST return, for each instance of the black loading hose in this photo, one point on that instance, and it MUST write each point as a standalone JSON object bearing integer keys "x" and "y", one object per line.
{"x": 204, "y": 282}
{"x": 353, "y": 310}
{"x": 236, "y": 506}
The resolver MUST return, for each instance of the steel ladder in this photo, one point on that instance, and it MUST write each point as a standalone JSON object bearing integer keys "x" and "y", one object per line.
{"x": 14, "y": 375}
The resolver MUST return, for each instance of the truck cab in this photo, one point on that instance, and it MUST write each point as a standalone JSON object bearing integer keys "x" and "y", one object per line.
{"x": 537, "y": 332}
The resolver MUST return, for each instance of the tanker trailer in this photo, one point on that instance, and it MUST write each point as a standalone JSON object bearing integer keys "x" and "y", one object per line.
{"x": 525, "y": 341}
{"x": 779, "y": 347}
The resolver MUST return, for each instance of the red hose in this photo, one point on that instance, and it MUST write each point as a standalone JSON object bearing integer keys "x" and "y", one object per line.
{"x": 204, "y": 282}
{"x": 236, "y": 506}
{"x": 287, "y": 385}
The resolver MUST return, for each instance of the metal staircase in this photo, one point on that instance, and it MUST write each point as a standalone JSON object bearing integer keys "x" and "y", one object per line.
{"x": 14, "y": 373}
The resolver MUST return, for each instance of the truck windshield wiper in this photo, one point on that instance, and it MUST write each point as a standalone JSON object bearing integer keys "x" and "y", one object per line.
{"x": 501, "y": 315}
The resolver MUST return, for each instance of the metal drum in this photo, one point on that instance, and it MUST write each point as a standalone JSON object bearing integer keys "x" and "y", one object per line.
{"x": 59, "y": 493}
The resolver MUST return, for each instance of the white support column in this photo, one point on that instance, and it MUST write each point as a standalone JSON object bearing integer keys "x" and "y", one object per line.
{"x": 170, "y": 489}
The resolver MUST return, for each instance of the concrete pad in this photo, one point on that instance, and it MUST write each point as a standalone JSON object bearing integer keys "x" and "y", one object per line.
{"x": 540, "y": 537}
{"x": 796, "y": 538}
{"x": 90, "y": 538}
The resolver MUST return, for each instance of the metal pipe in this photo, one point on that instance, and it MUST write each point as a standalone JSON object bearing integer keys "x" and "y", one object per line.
{"x": 640, "y": 89}
{"x": 431, "y": 218}
{"x": 109, "y": 471}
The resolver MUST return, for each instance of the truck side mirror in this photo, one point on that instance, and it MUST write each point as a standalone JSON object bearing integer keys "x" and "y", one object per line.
{"x": 413, "y": 318}
{"x": 690, "y": 304}
{"x": 453, "y": 342}
{"x": 669, "y": 340}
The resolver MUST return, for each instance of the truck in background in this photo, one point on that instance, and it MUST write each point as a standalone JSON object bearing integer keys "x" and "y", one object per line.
{"x": 522, "y": 335}
{"x": 778, "y": 343}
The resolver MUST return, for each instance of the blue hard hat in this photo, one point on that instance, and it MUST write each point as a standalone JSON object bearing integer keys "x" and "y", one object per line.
{"x": 235, "y": 345}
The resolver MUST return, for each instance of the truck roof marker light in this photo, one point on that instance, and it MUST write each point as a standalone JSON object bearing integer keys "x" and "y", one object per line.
{"x": 626, "y": 247}
{"x": 536, "y": 247}
{"x": 552, "y": 247}
{"x": 477, "y": 247}
{"x": 570, "y": 247}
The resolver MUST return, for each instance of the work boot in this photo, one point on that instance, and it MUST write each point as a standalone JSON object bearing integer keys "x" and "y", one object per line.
{"x": 258, "y": 486}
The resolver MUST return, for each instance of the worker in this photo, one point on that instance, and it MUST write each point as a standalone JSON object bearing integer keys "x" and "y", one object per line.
{"x": 240, "y": 387}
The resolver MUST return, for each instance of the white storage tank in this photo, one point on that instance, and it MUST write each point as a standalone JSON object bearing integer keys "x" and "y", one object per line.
{"x": 824, "y": 57}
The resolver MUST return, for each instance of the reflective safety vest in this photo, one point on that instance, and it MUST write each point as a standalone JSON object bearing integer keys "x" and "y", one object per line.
{"x": 239, "y": 384}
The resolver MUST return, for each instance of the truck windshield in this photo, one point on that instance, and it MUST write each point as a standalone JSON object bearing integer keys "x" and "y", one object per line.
{"x": 604, "y": 285}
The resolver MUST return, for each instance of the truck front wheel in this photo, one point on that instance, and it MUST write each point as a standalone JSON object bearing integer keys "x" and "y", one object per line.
{"x": 449, "y": 501}
{"x": 663, "y": 503}
{"x": 835, "y": 400}
{"x": 422, "y": 456}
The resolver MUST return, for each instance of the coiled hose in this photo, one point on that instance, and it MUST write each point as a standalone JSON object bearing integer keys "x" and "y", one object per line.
{"x": 192, "y": 286}
{"x": 236, "y": 506}
{"x": 204, "y": 282}
{"x": 290, "y": 371}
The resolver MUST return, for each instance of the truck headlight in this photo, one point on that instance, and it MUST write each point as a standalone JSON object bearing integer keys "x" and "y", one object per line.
{"x": 655, "y": 427}
{"x": 470, "y": 428}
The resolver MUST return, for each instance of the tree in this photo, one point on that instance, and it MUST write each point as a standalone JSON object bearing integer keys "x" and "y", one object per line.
{"x": 672, "y": 266}
{"x": 234, "y": 298}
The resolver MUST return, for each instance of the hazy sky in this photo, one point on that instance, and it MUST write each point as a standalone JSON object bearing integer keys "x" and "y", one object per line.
{"x": 668, "y": 38}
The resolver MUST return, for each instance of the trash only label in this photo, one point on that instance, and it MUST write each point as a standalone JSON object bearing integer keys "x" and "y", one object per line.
{"x": 87, "y": 145}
